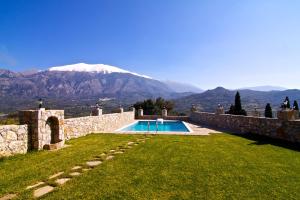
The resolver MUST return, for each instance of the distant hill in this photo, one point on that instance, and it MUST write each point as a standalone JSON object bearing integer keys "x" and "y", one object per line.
{"x": 208, "y": 100}
{"x": 265, "y": 88}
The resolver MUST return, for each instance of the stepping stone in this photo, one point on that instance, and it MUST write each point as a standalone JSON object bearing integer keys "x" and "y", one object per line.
{"x": 136, "y": 144}
{"x": 103, "y": 154}
{"x": 119, "y": 152}
{"x": 75, "y": 174}
{"x": 129, "y": 147}
{"x": 93, "y": 163}
{"x": 112, "y": 151}
{"x": 85, "y": 170}
{"x": 109, "y": 157}
{"x": 8, "y": 197}
{"x": 56, "y": 175}
{"x": 42, "y": 191}
{"x": 76, "y": 167}
{"x": 62, "y": 181}
{"x": 35, "y": 185}
{"x": 130, "y": 143}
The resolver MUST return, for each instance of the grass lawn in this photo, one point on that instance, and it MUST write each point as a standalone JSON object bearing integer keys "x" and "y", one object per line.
{"x": 219, "y": 166}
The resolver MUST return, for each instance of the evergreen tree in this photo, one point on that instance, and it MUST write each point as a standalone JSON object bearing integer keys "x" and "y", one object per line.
{"x": 288, "y": 105}
{"x": 295, "y": 106}
{"x": 238, "y": 104}
{"x": 268, "y": 111}
{"x": 231, "y": 110}
{"x": 238, "y": 110}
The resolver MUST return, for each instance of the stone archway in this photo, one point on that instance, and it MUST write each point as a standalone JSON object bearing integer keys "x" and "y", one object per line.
{"x": 52, "y": 128}
{"x": 46, "y": 128}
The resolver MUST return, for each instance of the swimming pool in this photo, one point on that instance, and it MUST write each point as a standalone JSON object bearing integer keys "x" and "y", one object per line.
{"x": 156, "y": 126}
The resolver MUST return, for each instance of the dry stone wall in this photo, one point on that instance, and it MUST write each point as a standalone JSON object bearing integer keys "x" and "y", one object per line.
{"x": 274, "y": 128}
{"x": 13, "y": 139}
{"x": 77, "y": 127}
{"x": 36, "y": 130}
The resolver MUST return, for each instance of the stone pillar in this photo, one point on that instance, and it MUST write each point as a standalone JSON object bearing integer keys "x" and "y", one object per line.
{"x": 121, "y": 110}
{"x": 140, "y": 112}
{"x": 193, "y": 108}
{"x": 296, "y": 114}
{"x": 220, "y": 111}
{"x": 256, "y": 113}
{"x": 133, "y": 109}
{"x": 164, "y": 112}
{"x": 97, "y": 112}
{"x": 286, "y": 115}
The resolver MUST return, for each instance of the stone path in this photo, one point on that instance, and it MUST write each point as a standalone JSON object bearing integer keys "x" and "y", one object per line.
{"x": 62, "y": 181}
{"x": 56, "y": 175}
{"x": 35, "y": 185}
{"x": 93, "y": 163}
{"x": 76, "y": 167}
{"x": 8, "y": 197}
{"x": 109, "y": 157}
{"x": 42, "y": 191}
{"x": 75, "y": 174}
{"x": 42, "y": 188}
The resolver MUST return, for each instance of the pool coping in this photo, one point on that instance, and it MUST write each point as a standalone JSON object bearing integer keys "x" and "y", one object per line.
{"x": 190, "y": 130}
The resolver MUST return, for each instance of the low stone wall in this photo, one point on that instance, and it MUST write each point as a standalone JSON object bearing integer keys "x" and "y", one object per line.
{"x": 154, "y": 117}
{"x": 274, "y": 128}
{"x": 13, "y": 139}
{"x": 77, "y": 127}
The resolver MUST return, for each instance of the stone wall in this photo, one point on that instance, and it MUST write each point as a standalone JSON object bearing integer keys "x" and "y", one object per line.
{"x": 77, "y": 127}
{"x": 274, "y": 128}
{"x": 13, "y": 139}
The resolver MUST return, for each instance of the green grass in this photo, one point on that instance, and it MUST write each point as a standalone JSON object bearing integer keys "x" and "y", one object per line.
{"x": 17, "y": 172}
{"x": 220, "y": 166}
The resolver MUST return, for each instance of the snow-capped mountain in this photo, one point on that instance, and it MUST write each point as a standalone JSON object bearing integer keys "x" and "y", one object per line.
{"x": 78, "y": 82}
{"x": 94, "y": 68}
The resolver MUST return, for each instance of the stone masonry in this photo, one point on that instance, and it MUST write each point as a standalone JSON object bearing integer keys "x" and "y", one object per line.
{"x": 45, "y": 127}
{"x": 13, "y": 139}
{"x": 77, "y": 127}
{"x": 41, "y": 129}
{"x": 274, "y": 128}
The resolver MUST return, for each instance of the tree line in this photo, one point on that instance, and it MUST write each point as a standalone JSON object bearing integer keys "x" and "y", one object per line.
{"x": 154, "y": 107}
{"x": 236, "y": 108}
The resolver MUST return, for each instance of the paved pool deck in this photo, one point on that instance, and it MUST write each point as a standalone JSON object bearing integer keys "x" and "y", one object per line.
{"x": 196, "y": 130}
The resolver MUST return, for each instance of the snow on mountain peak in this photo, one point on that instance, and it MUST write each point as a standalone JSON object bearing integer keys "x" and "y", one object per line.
{"x": 94, "y": 68}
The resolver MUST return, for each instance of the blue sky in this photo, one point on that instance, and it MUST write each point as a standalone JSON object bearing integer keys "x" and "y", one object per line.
{"x": 230, "y": 43}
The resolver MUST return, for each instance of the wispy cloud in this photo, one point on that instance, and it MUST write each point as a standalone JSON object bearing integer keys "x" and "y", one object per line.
{"x": 5, "y": 57}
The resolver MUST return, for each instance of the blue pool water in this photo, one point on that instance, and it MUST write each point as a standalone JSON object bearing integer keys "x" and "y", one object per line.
{"x": 166, "y": 126}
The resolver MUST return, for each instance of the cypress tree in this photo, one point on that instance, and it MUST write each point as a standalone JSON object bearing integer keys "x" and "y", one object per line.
{"x": 268, "y": 111}
{"x": 295, "y": 106}
{"x": 238, "y": 104}
{"x": 288, "y": 105}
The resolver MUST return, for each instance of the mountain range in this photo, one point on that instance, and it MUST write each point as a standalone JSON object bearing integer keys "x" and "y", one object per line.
{"x": 75, "y": 87}
{"x": 251, "y": 100}
{"x": 70, "y": 85}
